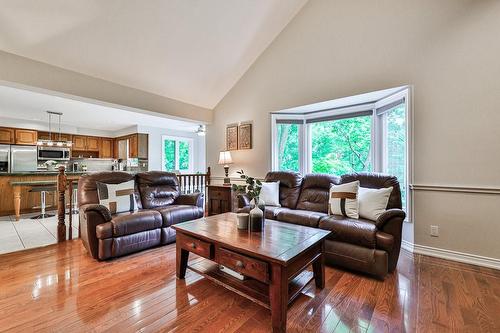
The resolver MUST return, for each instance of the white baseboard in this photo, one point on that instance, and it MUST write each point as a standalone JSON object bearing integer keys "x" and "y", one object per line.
{"x": 466, "y": 258}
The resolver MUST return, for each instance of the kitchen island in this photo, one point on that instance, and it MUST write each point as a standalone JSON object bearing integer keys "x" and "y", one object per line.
{"x": 15, "y": 194}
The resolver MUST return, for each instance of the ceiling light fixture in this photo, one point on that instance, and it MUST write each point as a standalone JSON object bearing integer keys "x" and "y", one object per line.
{"x": 201, "y": 131}
{"x": 57, "y": 142}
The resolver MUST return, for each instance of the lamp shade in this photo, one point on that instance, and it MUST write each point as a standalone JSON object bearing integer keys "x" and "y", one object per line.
{"x": 225, "y": 157}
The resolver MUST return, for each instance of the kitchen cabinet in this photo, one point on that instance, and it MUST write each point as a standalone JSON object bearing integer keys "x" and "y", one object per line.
{"x": 133, "y": 149}
{"x": 79, "y": 142}
{"x": 54, "y": 136}
{"x": 137, "y": 146}
{"x": 106, "y": 149}
{"x": 6, "y": 135}
{"x": 85, "y": 143}
{"x": 25, "y": 137}
{"x": 92, "y": 143}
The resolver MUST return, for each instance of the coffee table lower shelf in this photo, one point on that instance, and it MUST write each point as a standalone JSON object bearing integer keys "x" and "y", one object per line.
{"x": 252, "y": 289}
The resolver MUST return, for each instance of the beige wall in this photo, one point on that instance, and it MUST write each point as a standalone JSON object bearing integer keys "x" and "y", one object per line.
{"x": 27, "y": 72}
{"x": 448, "y": 50}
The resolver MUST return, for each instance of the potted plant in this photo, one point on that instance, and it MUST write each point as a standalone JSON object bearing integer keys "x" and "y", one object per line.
{"x": 252, "y": 190}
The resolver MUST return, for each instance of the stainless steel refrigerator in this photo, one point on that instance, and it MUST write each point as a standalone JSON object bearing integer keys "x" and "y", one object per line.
{"x": 23, "y": 158}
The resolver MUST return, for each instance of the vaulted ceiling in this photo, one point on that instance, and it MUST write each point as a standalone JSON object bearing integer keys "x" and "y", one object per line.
{"x": 193, "y": 51}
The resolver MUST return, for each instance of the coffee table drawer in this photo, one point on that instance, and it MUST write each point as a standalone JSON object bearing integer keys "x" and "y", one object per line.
{"x": 195, "y": 245}
{"x": 242, "y": 264}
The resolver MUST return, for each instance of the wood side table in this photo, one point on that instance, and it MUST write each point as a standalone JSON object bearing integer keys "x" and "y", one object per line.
{"x": 219, "y": 199}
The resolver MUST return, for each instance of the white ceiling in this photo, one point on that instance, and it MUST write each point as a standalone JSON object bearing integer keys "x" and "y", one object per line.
{"x": 28, "y": 107}
{"x": 189, "y": 50}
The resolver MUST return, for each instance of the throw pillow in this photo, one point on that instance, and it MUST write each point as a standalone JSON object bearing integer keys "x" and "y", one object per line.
{"x": 118, "y": 198}
{"x": 344, "y": 199}
{"x": 270, "y": 194}
{"x": 373, "y": 201}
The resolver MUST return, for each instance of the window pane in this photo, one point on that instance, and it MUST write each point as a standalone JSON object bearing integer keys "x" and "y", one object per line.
{"x": 341, "y": 146}
{"x": 288, "y": 146}
{"x": 169, "y": 154}
{"x": 183, "y": 155}
{"x": 395, "y": 145}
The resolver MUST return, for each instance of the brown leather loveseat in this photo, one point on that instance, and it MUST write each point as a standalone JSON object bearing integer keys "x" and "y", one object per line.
{"x": 160, "y": 206}
{"x": 359, "y": 244}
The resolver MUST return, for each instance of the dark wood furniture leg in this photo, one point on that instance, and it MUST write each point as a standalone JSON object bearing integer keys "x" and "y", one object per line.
{"x": 182, "y": 257}
{"x": 319, "y": 268}
{"x": 278, "y": 297}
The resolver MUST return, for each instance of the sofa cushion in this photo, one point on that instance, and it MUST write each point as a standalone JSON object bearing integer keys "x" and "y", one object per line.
{"x": 289, "y": 186}
{"x": 87, "y": 184}
{"x": 354, "y": 231}
{"x": 132, "y": 222}
{"x": 174, "y": 214}
{"x": 302, "y": 217}
{"x": 157, "y": 188}
{"x": 314, "y": 193}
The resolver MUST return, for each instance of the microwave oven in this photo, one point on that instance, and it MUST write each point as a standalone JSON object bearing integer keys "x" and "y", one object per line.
{"x": 54, "y": 153}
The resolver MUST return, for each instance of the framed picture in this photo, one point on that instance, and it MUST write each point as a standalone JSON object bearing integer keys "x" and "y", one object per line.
{"x": 245, "y": 136}
{"x": 232, "y": 137}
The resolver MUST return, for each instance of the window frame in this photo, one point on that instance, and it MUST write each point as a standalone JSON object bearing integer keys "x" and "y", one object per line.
{"x": 178, "y": 139}
{"x": 377, "y": 131}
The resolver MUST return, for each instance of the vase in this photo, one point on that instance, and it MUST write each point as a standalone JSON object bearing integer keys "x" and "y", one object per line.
{"x": 256, "y": 216}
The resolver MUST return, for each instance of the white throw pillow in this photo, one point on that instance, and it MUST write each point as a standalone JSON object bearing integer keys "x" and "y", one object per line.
{"x": 344, "y": 199}
{"x": 373, "y": 202}
{"x": 270, "y": 194}
{"x": 118, "y": 198}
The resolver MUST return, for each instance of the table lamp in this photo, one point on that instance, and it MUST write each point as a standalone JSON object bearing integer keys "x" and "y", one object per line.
{"x": 225, "y": 159}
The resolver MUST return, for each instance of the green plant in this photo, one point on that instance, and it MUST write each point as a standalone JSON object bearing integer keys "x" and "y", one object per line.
{"x": 252, "y": 187}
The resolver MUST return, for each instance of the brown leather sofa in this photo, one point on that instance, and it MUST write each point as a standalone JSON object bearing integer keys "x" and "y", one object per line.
{"x": 160, "y": 206}
{"x": 367, "y": 246}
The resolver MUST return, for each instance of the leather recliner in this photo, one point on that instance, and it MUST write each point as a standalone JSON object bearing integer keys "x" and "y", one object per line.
{"x": 160, "y": 204}
{"x": 363, "y": 245}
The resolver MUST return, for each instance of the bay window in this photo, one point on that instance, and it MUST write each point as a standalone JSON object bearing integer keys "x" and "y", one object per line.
{"x": 363, "y": 137}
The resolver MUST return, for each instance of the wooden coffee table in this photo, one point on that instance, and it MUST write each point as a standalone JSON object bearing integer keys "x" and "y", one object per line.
{"x": 275, "y": 261}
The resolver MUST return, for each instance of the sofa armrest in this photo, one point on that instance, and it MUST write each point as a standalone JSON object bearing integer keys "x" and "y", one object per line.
{"x": 91, "y": 216}
{"x": 391, "y": 222}
{"x": 192, "y": 199}
{"x": 388, "y": 215}
{"x": 243, "y": 200}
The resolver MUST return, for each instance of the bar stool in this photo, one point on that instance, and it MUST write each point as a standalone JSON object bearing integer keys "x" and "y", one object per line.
{"x": 43, "y": 192}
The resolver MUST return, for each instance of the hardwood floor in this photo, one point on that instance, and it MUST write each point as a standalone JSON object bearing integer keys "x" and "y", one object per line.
{"x": 59, "y": 288}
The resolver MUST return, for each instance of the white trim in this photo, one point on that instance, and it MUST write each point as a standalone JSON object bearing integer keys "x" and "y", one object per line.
{"x": 453, "y": 188}
{"x": 462, "y": 257}
{"x": 408, "y": 246}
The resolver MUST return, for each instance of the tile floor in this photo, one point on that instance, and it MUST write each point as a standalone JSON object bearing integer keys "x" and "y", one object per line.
{"x": 27, "y": 233}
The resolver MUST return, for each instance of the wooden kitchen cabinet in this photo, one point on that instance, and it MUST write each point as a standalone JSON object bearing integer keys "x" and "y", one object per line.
{"x": 92, "y": 143}
{"x": 26, "y": 137}
{"x": 54, "y": 136}
{"x": 6, "y": 135}
{"x": 133, "y": 149}
{"x": 79, "y": 142}
{"x": 106, "y": 149}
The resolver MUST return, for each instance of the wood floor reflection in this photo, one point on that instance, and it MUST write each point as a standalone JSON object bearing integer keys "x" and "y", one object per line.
{"x": 59, "y": 288}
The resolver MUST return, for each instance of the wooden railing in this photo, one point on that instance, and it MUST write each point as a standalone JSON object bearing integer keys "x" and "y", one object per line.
{"x": 188, "y": 183}
{"x": 194, "y": 182}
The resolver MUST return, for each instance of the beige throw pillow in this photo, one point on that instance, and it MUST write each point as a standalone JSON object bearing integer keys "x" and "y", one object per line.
{"x": 344, "y": 199}
{"x": 373, "y": 202}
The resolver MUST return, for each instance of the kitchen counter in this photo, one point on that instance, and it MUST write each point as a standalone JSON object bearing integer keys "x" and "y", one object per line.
{"x": 51, "y": 173}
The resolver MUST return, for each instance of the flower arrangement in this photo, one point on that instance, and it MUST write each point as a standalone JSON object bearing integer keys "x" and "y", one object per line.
{"x": 252, "y": 187}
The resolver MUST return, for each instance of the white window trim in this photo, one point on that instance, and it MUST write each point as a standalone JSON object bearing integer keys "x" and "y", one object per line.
{"x": 305, "y": 154}
{"x": 177, "y": 139}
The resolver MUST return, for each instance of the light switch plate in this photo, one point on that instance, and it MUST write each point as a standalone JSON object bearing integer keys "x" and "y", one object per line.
{"x": 434, "y": 231}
